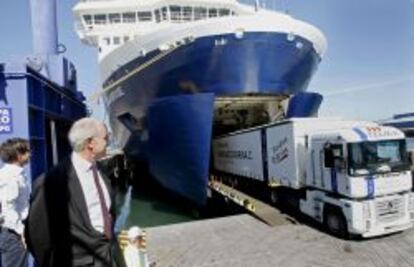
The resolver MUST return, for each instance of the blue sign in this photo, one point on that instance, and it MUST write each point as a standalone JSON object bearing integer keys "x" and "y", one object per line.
{"x": 6, "y": 121}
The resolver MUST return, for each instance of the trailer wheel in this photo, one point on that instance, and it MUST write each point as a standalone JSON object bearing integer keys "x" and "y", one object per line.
{"x": 233, "y": 182}
{"x": 336, "y": 223}
{"x": 274, "y": 197}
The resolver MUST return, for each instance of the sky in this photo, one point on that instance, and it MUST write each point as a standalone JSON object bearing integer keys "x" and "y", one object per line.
{"x": 367, "y": 72}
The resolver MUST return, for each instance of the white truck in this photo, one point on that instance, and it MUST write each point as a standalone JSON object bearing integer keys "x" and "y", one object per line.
{"x": 352, "y": 176}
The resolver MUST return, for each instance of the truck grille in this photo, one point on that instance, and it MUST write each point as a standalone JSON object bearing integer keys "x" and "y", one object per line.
{"x": 390, "y": 210}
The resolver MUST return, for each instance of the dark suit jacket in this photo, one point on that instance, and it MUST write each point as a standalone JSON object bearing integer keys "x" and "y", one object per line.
{"x": 59, "y": 232}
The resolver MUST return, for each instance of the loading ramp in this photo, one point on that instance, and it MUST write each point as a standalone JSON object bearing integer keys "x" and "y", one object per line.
{"x": 259, "y": 209}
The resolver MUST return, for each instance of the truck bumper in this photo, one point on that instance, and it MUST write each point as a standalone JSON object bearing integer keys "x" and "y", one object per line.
{"x": 378, "y": 231}
{"x": 379, "y": 216}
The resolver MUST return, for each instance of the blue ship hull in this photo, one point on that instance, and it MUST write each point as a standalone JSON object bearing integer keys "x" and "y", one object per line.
{"x": 168, "y": 106}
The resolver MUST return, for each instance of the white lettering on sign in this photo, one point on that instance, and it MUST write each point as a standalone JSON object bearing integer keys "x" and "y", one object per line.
{"x": 6, "y": 123}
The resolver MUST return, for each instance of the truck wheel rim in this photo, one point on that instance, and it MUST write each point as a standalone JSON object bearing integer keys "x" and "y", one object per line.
{"x": 333, "y": 223}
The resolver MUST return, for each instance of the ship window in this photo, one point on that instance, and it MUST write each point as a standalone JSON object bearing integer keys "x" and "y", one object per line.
{"x": 100, "y": 19}
{"x": 117, "y": 40}
{"x": 157, "y": 15}
{"x": 164, "y": 12}
{"x": 212, "y": 12}
{"x": 114, "y": 18}
{"x": 187, "y": 13}
{"x": 200, "y": 13}
{"x": 129, "y": 17}
{"x": 175, "y": 13}
{"x": 126, "y": 39}
{"x": 87, "y": 19}
{"x": 224, "y": 12}
{"x": 107, "y": 40}
{"x": 144, "y": 16}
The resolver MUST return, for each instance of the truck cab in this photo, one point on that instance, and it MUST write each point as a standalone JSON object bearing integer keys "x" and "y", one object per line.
{"x": 359, "y": 181}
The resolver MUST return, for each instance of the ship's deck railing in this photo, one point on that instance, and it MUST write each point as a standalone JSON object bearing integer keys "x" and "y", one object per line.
{"x": 171, "y": 13}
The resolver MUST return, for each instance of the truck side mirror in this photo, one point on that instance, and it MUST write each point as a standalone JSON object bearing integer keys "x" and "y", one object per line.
{"x": 333, "y": 157}
{"x": 339, "y": 163}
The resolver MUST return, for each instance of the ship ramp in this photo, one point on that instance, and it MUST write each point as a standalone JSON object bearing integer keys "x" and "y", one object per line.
{"x": 264, "y": 212}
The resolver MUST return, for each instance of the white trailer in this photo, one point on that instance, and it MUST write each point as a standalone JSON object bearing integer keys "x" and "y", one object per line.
{"x": 352, "y": 176}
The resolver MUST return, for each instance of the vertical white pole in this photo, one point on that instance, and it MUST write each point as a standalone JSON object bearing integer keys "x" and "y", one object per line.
{"x": 257, "y": 5}
{"x": 54, "y": 142}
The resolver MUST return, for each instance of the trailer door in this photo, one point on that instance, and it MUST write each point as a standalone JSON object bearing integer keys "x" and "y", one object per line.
{"x": 316, "y": 177}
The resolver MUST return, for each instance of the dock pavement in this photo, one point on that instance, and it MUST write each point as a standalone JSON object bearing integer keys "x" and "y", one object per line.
{"x": 243, "y": 240}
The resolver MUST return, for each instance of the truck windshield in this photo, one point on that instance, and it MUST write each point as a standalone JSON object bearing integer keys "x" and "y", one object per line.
{"x": 368, "y": 158}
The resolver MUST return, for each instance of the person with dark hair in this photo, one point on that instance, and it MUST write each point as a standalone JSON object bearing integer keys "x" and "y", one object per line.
{"x": 14, "y": 201}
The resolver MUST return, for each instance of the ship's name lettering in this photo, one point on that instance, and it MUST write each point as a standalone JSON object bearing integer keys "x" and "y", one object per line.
{"x": 115, "y": 95}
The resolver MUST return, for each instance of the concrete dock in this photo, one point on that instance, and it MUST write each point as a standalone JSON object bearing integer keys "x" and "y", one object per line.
{"x": 243, "y": 240}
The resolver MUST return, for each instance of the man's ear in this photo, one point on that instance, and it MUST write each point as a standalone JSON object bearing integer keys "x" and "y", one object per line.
{"x": 89, "y": 143}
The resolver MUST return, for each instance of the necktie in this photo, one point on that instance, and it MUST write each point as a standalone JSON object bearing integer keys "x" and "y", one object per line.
{"x": 107, "y": 218}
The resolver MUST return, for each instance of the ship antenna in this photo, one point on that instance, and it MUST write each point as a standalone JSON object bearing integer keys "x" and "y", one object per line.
{"x": 257, "y": 5}
{"x": 285, "y": 7}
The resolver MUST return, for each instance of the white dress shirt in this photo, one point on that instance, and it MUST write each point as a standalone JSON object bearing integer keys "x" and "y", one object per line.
{"x": 90, "y": 192}
{"x": 14, "y": 196}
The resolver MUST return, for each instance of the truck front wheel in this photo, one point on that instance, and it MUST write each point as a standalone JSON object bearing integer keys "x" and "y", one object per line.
{"x": 335, "y": 222}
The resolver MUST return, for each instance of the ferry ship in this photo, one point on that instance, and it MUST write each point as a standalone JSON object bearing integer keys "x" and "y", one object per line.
{"x": 405, "y": 122}
{"x": 174, "y": 73}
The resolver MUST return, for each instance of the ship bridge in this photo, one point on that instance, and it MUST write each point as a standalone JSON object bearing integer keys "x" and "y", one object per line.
{"x": 109, "y": 24}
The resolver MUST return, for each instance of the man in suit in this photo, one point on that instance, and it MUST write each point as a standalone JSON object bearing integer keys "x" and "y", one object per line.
{"x": 72, "y": 207}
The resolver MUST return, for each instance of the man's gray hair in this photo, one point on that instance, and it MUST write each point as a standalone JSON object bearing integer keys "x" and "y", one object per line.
{"x": 82, "y": 130}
